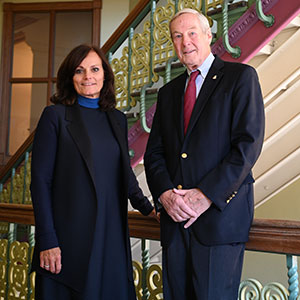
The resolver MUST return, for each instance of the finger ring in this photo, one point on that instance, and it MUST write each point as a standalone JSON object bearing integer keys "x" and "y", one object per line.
{"x": 46, "y": 266}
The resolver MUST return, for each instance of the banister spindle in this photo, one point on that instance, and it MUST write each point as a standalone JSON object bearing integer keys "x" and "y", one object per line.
{"x": 25, "y": 174}
{"x": 235, "y": 52}
{"x": 291, "y": 262}
{"x": 31, "y": 241}
{"x": 13, "y": 173}
{"x": 145, "y": 264}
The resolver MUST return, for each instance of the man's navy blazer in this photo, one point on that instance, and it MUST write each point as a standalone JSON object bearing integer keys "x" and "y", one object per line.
{"x": 63, "y": 189}
{"x": 221, "y": 145}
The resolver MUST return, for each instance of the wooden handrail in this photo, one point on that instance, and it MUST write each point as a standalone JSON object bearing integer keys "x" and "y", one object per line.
{"x": 16, "y": 213}
{"x": 275, "y": 236}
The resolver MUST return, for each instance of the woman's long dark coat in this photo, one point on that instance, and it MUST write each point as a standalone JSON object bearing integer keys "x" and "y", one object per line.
{"x": 63, "y": 190}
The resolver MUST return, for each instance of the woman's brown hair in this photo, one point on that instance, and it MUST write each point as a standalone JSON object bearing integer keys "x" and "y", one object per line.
{"x": 65, "y": 91}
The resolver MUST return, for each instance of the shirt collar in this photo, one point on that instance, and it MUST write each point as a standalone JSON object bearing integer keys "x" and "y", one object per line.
{"x": 204, "y": 68}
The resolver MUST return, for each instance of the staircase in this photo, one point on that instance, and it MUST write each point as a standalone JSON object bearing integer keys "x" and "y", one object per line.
{"x": 278, "y": 68}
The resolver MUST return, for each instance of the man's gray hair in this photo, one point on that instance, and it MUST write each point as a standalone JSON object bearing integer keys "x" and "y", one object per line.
{"x": 203, "y": 20}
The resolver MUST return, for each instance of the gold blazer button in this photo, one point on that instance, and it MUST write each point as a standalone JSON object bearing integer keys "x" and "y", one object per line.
{"x": 184, "y": 155}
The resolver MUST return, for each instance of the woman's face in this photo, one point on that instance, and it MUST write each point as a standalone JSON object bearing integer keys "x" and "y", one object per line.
{"x": 89, "y": 76}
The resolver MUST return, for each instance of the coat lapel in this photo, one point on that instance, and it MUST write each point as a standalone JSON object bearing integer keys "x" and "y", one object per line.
{"x": 210, "y": 83}
{"x": 80, "y": 136}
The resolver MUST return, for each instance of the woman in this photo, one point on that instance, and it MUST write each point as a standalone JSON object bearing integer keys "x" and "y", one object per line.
{"x": 81, "y": 180}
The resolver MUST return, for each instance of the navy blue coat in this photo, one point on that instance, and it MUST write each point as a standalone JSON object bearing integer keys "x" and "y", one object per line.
{"x": 62, "y": 177}
{"x": 222, "y": 143}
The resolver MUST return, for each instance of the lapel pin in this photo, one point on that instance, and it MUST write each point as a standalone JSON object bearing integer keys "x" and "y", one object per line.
{"x": 215, "y": 77}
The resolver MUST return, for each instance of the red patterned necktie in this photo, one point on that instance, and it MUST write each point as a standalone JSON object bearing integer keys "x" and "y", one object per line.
{"x": 190, "y": 98}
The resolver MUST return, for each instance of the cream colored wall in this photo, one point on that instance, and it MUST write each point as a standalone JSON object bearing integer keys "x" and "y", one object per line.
{"x": 284, "y": 206}
{"x": 20, "y": 106}
{"x": 113, "y": 14}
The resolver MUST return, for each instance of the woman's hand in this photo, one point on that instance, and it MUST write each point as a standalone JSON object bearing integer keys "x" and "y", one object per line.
{"x": 154, "y": 215}
{"x": 50, "y": 260}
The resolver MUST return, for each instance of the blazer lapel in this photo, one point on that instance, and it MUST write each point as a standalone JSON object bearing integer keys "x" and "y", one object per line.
{"x": 80, "y": 136}
{"x": 210, "y": 83}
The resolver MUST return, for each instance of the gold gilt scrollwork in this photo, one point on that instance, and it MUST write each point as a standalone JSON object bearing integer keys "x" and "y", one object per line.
{"x": 153, "y": 279}
{"x": 18, "y": 270}
{"x": 140, "y": 59}
{"x": 163, "y": 48}
{"x": 3, "y": 267}
{"x": 120, "y": 69}
{"x": 18, "y": 187}
{"x": 137, "y": 278}
{"x": 32, "y": 285}
{"x": 154, "y": 282}
{"x": 195, "y": 4}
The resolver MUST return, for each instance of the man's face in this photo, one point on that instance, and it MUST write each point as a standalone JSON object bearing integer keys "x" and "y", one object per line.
{"x": 191, "y": 44}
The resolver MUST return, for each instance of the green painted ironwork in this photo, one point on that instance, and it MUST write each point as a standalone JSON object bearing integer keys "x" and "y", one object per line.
{"x": 25, "y": 176}
{"x": 14, "y": 186}
{"x": 150, "y": 83}
{"x": 168, "y": 68}
{"x": 176, "y": 6}
{"x": 291, "y": 262}
{"x": 31, "y": 241}
{"x": 13, "y": 173}
{"x": 130, "y": 37}
{"x": 268, "y": 20}
{"x": 235, "y": 52}
{"x": 145, "y": 265}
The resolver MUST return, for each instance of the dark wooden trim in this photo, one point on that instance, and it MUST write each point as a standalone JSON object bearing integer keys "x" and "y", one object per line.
{"x": 51, "y": 55}
{"x": 29, "y": 80}
{"x": 96, "y": 22}
{"x": 277, "y": 236}
{"x": 16, "y": 213}
{"x": 47, "y": 6}
{"x": 143, "y": 227}
{"x": 6, "y": 56}
{"x": 124, "y": 25}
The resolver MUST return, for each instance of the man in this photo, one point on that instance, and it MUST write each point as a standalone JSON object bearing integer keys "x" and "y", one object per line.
{"x": 199, "y": 170}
